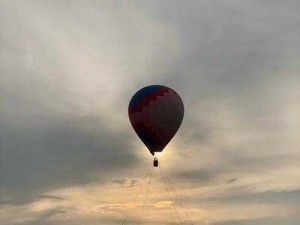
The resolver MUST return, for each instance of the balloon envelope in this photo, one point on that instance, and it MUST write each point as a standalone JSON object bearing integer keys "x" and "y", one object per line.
{"x": 156, "y": 113}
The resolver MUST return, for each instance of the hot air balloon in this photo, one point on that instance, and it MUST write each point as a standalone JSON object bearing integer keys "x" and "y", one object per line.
{"x": 156, "y": 113}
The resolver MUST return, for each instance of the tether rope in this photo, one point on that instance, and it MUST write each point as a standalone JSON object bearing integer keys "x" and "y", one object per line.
{"x": 174, "y": 206}
{"x": 145, "y": 200}
{"x": 137, "y": 194}
{"x": 177, "y": 196}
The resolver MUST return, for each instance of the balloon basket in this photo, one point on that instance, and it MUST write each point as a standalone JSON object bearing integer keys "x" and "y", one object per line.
{"x": 155, "y": 162}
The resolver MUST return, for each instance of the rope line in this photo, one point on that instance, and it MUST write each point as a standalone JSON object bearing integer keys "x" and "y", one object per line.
{"x": 137, "y": 194}
{"x": 169, "y": 185}
{"x": 174, "y": 206}
{"x": 145, "y": 200}
{"x": 178, "y": 197}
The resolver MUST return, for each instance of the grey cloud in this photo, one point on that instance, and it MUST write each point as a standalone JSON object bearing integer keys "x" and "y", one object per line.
{"x": 272, "y": 197}
{"x": 263, "y": 221}
{"x": 60, "y": 155}
{"x": 232, "y": 180}
{"x": 121, "y": 182}
{"x": 51, "y": 197}
{"x": 44, "y": 217}
{"x": 196, "y": 176}
{"x": 125, "y": 182}
{"x": 233, "y": 164}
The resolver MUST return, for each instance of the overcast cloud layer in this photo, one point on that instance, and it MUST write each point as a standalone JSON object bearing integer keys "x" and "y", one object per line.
{"x": 68, "y": 70}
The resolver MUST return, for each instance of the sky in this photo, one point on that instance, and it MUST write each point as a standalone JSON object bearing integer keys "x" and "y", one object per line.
{"x": 68, "y": 71}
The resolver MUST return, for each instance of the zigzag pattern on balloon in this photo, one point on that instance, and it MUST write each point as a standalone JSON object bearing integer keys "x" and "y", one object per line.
{"x": 136, "y": 106}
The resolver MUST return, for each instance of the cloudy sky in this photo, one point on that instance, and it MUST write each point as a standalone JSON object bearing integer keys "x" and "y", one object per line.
{"x": 68, "y": 70}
